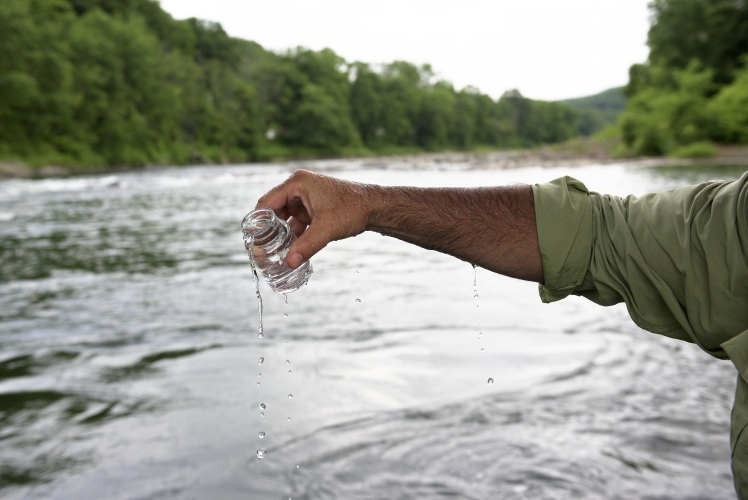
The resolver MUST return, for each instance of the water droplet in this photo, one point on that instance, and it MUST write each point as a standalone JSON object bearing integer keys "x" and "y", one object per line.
{"x": 356, "y": 271}
{"x": 285, "y": 315}
{"x": 261, "y": 453}
{"x": 289, "y": 372}
{"x": 358, "y": 301}
{"x": 475, "y": 296}
{"x": 261, "y": 335}
{"x": 290, "y": 396}
{"x": 490, "y": 381}
{"x": 262, "y": 434}
{"x": 286, "y": 343}
{"x": 288, "y": 419}
{"x": 482, "y": 349}
{"x": 297, "y": 466}
{"x": 262, "y": 414}
{"x": 262, "y": 406}
{"x": 288, "y": 361}
{"x": 260, "y": 361}
{"x": 258, "y": 384}
{"x": 259, "y": 374}
{"x": 285, "y": 299}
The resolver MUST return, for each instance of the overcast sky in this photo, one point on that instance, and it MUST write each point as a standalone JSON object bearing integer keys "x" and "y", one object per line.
{"x": 548, "y": 49}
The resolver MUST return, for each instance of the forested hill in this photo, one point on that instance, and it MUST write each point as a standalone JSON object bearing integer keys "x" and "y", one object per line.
{"x": 120, "y": 82}
{"x": 604, "y": 107}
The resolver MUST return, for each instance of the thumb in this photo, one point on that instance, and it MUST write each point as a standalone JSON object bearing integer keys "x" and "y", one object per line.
{"x": 312, "y": 241}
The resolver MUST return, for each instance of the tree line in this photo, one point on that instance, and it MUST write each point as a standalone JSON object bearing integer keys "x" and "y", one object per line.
{"x": 120, "y": 82}
{"x": 693, "y": 90}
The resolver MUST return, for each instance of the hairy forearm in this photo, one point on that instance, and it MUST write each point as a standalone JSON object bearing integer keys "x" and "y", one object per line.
{"x": 492, "y": 227}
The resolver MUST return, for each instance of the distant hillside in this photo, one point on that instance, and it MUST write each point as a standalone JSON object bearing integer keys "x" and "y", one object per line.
{"x": 610, "y": 103}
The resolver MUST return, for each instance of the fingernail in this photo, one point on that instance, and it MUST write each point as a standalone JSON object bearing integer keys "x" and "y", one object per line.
{"x": 294, "y": 260}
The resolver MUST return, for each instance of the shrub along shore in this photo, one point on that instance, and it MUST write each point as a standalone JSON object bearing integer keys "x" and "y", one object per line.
{"x": 574, "y": 153}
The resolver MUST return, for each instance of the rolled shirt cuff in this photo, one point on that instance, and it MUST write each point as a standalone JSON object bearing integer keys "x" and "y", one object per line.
{"x": 563, "y": 213}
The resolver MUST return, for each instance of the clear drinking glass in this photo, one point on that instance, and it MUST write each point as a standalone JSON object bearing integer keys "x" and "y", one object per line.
{"x": 267, "y": 240}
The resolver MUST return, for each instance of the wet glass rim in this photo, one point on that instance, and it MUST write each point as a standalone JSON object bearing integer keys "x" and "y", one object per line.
{"x": 256, "y": 221}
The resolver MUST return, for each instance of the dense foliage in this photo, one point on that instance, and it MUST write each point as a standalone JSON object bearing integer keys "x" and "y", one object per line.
{"x": 120, "y": 82}
{"x": 694, "y": 88}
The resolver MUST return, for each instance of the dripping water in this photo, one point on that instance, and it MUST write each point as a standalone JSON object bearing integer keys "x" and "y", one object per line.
{"x": 249, "y": 243}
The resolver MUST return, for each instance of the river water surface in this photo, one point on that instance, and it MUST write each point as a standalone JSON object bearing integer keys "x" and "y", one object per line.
{"x": 129, "y": 357}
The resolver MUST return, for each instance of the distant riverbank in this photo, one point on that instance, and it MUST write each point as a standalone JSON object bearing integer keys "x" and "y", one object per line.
{"x": 577, "y": 152}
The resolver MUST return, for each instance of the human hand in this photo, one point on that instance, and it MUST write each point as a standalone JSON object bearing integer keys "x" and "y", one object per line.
{"x": 319, "y": 209}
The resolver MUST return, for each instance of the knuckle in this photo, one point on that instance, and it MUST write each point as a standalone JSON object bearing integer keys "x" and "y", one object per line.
{"x": 299, "y": 175}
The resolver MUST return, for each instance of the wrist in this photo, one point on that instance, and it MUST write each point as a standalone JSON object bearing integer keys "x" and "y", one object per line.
{"x": 375, "y": 207}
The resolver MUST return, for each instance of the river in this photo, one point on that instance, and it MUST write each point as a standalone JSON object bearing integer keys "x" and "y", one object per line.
{"x": 129, "y": 357}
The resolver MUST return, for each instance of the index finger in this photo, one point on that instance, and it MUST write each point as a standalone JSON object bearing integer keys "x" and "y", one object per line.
{"x": 276, "y": 200}
{"x": 287, "y": 199}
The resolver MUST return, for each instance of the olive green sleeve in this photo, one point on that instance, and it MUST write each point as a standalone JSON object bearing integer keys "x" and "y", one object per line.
{"x": 678, "y": 259}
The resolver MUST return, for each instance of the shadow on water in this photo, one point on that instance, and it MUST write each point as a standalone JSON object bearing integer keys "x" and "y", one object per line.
{"x": 40, "y": 457}
{"x": 27, "y": 459}
{"x": 29, "y": 364}
{"x": 144, "y": 367}
{"x": 693, "y": 174}
{"x": 27, "y": 407}
{"x": 36, "y": 258}
{"x": 41, "y": 470}
{"x": 14, "y": 404}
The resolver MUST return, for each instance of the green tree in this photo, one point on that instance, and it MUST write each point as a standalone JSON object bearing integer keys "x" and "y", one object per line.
{"x": 367, "y": 105}
{"x": 465, "y": 116}
{"x": 37, "y": 100}
{"x": 729, "y": 108}
{"x": 436, "y": 118}
{"x": 671, "y": 112}
{"x": 713, "y": 32}
{"x": 126, "y": 108}
{"x": 687, "y": 92}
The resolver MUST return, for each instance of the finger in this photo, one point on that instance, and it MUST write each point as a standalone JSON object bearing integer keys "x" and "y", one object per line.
{"x": 275, "y": 199}
{"x": 297, "y": 226}
{"x": 295, "y": 208}
{"x": 278, "y": 197}
{"x": 309, "y": 243}
{"x": 287, "y": 199}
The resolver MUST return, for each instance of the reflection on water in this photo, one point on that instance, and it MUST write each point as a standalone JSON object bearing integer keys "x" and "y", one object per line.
{"x": 129, "y": 362}
{"x": 693, "y": 174}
